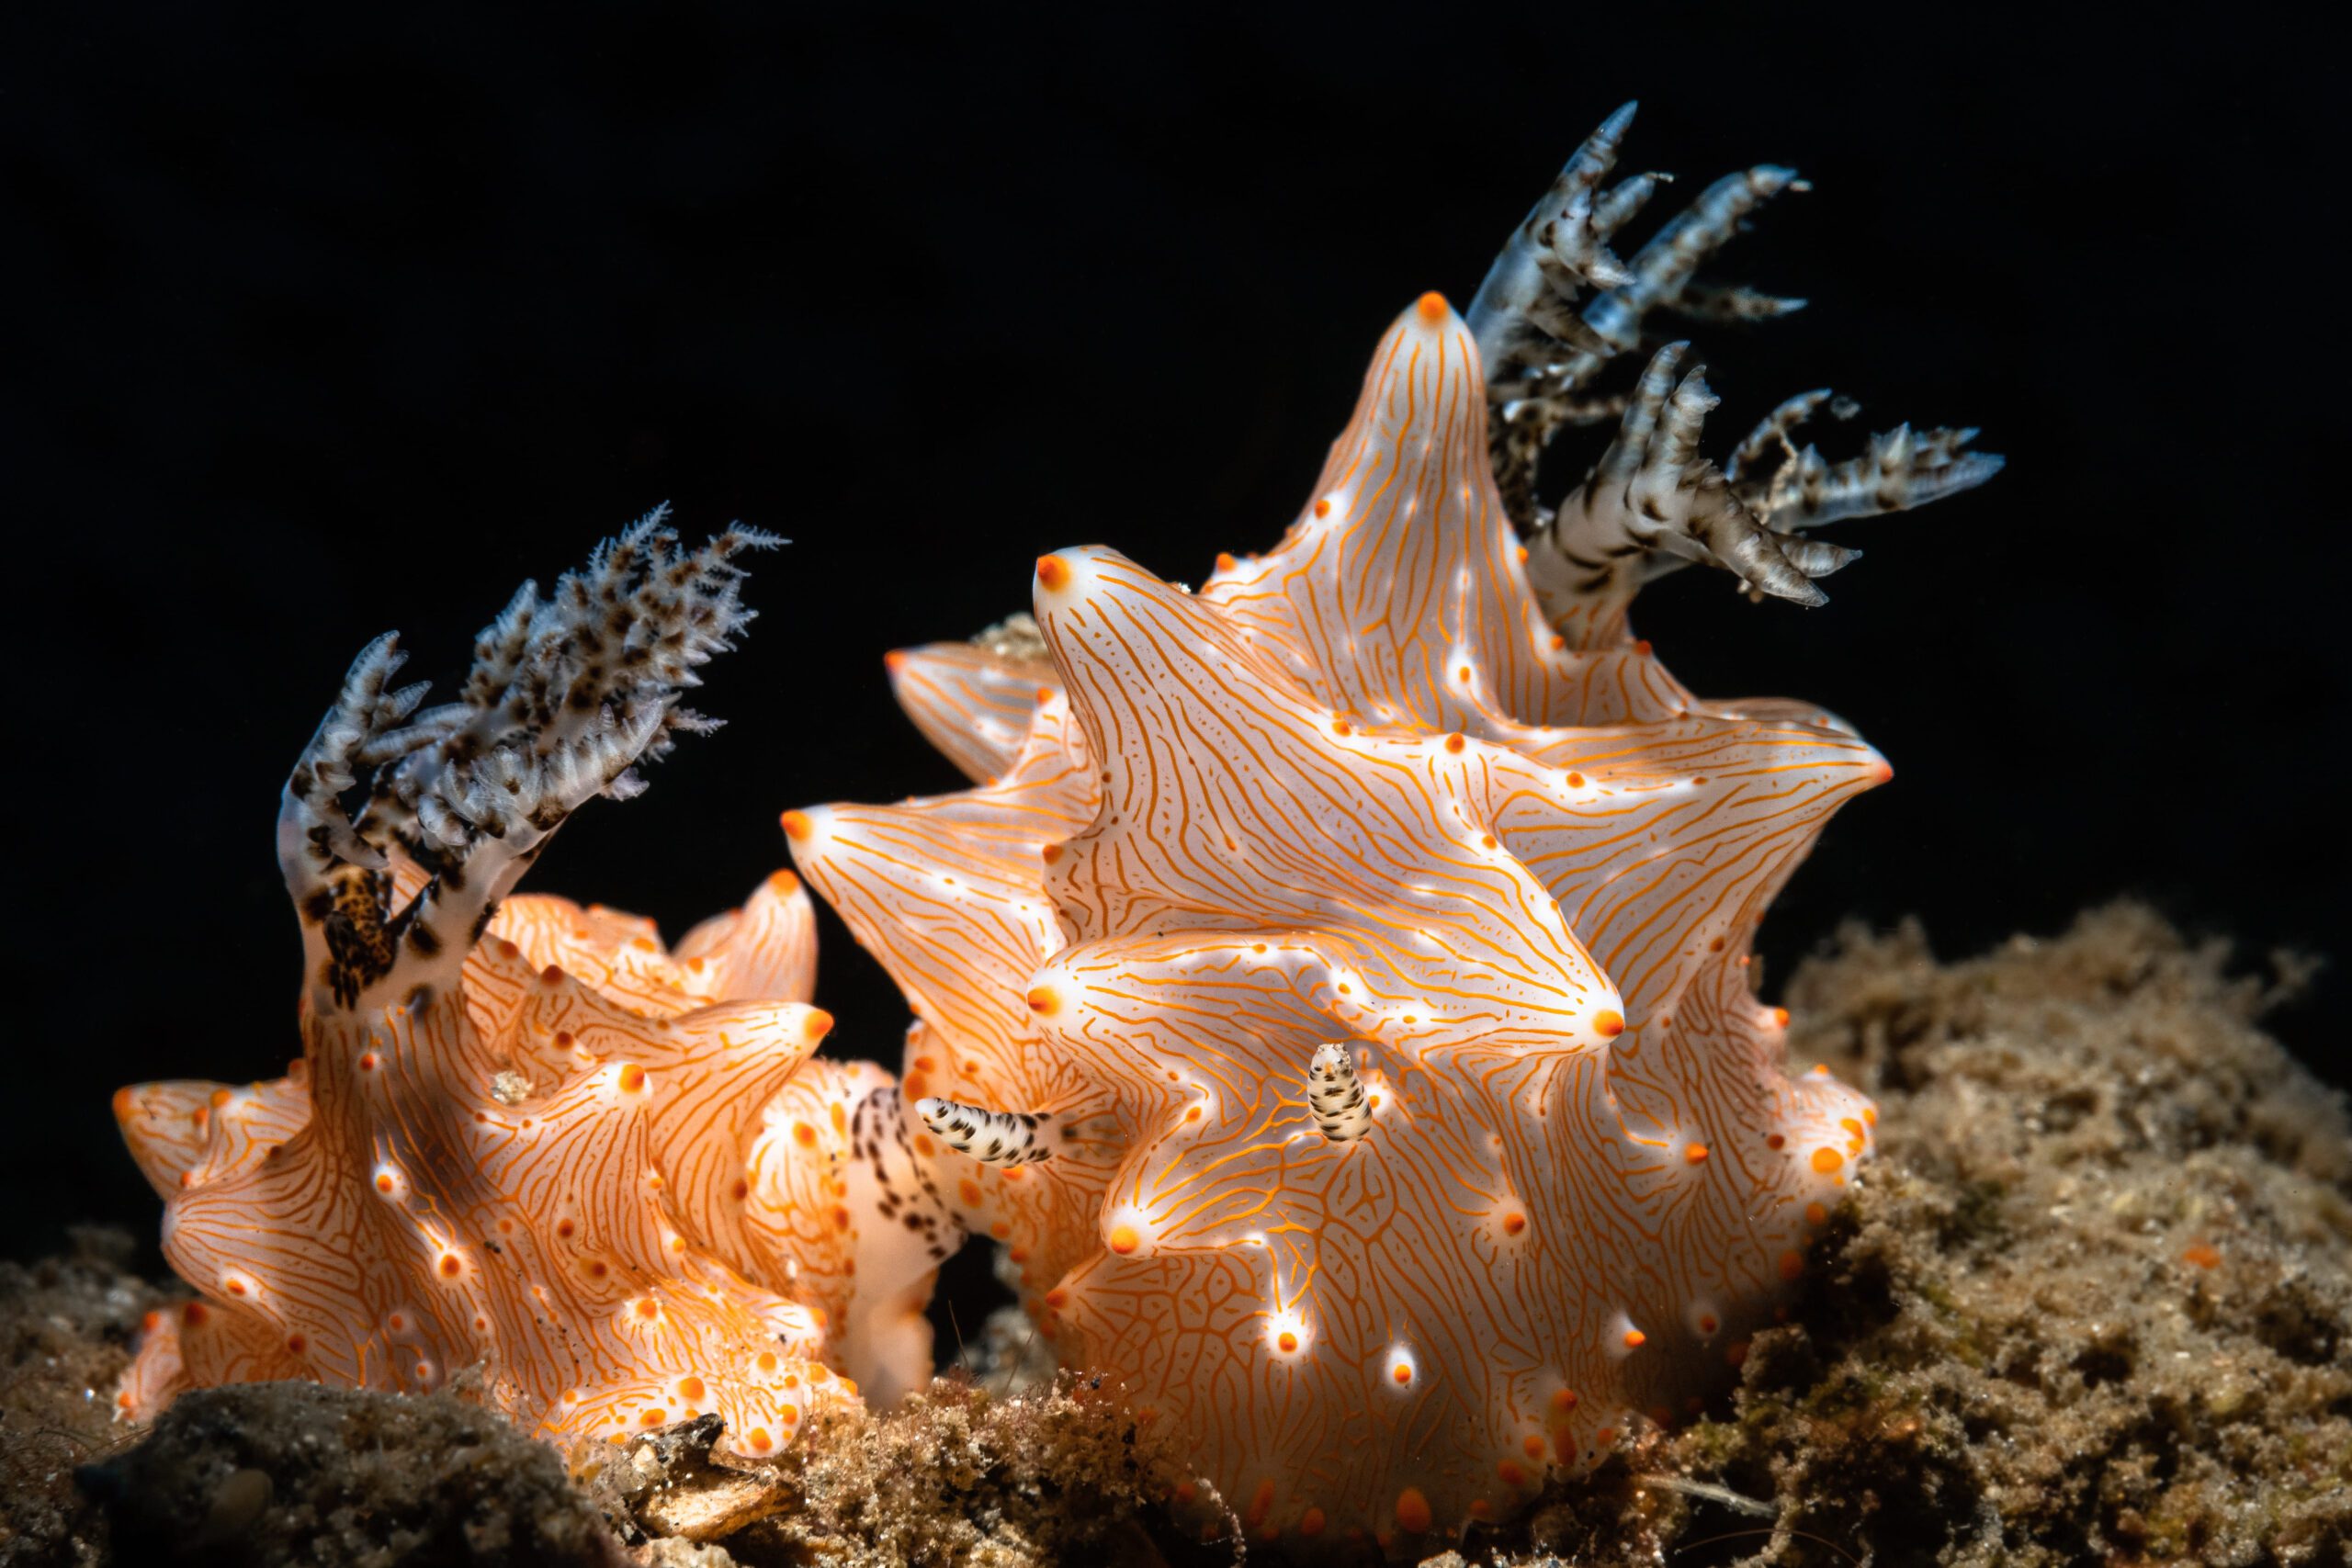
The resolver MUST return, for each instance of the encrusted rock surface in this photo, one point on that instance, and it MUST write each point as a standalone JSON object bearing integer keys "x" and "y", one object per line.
{"x": 65, "y": 1328}
{"x": 338, "y": 1478}
{"x": 2091, "y": 1306}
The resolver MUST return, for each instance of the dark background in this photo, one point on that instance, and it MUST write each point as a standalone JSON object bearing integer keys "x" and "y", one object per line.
{"x": 323, "y": 325}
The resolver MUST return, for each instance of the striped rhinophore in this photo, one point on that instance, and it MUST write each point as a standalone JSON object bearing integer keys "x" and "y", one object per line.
{"x": 992, "y": 1137}
{"x": 1336, "y": 1095}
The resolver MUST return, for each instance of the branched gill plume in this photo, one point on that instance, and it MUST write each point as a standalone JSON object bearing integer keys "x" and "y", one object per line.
{"x": 568, "y": 695}
{"x": 1558, "y": 307}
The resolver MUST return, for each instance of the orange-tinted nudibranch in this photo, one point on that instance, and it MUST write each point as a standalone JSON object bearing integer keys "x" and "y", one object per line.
{"x": 550, "y": 1153}
{"x": 1334, "y": 991}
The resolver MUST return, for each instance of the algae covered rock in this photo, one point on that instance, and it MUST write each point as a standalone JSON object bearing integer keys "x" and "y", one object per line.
{"x": 300, "y": 1473}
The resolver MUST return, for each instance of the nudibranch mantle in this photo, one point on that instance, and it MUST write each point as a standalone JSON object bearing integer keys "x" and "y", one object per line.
{"x": 1371, "y": 928}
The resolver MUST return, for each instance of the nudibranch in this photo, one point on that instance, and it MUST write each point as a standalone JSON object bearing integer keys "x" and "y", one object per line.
{"x": 1335, "y": 991}
{"x": 550, "y": 1158}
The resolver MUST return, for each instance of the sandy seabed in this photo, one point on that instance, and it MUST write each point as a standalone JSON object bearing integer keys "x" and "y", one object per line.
{"x": 2091, "y": 1305}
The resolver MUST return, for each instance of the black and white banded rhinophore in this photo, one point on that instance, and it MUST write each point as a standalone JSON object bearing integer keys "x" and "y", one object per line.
{"x": 992, "y": 1137}
{"x": 1336, "y": 1095}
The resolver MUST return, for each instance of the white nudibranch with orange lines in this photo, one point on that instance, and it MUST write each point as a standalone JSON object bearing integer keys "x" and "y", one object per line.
{"x": 1525, "y": 890}
{"x": 553, "y": 1140}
